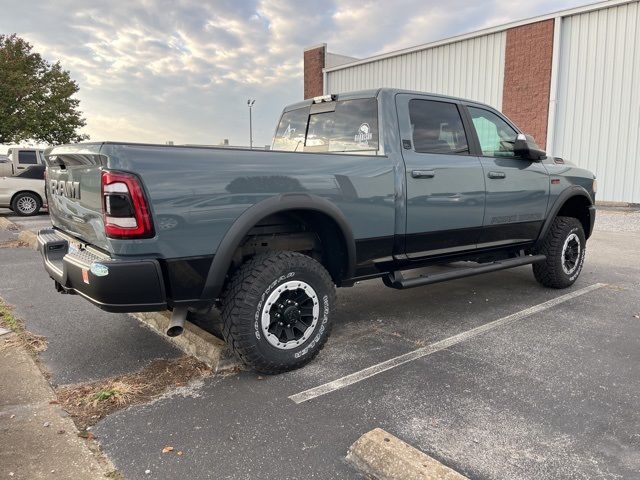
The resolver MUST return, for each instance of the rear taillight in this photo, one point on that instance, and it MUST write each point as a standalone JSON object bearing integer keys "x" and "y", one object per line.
{"x": 126, "y": 213}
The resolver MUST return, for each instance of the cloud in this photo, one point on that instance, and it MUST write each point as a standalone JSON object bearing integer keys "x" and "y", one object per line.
{"x": 159, "y": 70}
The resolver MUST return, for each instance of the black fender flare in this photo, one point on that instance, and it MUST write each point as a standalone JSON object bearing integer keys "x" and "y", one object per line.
{"x": 570, "y": 192}
{"x": 250, "y": 217}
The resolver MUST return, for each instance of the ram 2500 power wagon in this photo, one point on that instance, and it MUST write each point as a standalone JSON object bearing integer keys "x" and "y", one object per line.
{"x": 357, "y": 186}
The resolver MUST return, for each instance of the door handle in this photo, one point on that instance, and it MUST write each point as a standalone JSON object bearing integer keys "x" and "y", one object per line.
{"x": 423, "y": 173}
{"x": 497, "y": 175}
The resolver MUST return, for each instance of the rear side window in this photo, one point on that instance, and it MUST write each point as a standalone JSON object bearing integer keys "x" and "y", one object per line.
{"x": 437, "y": 127}
{"x": 291, "y": 130}
{"x": 36, "y": 173}
{"x": 27, "y": 157}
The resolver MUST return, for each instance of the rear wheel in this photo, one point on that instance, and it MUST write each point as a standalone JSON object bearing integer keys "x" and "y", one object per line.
{"x": 26, "y": 204}
{"x": 564, "y": 245}
{"x": 276, "y": 311}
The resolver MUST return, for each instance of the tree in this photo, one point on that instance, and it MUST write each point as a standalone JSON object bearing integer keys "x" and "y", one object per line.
{"x": 36, "y": 97}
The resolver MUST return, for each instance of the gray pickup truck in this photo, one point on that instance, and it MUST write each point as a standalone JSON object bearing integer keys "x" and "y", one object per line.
{"x": 357, "y": 186}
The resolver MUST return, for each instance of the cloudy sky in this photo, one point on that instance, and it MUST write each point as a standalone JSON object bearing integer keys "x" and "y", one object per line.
{"x": 182, "y": 70}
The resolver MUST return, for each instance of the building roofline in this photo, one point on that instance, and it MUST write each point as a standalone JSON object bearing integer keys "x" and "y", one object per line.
{"x": 313, "y": 47}
{"x": 486, "y": 31}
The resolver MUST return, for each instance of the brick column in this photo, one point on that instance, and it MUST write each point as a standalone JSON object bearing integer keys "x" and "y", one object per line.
{"x": 527, "y": 77}
{"x": 313, "y": 65}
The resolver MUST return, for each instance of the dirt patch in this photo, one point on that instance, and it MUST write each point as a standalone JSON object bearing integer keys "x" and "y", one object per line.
{"x": 90, "y": 402}
{"x": 14, "y": 244}
{"x": 32, "y": 342}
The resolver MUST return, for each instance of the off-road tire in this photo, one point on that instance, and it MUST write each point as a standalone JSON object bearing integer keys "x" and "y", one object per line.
{"x": 242, "y": 307}
{"x": 31, "y": 199}
{"x": 550, "y": 272}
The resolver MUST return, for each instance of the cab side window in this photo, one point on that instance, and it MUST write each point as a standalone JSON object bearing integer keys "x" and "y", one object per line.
{"x": 27, "y": 157}
{"x": 437, "y": 127}
{"x": 496, "y": 136}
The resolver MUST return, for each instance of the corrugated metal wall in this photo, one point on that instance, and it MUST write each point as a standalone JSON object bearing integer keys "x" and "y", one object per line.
{"x": 472, "y": 68}
{"x": 598, "y": 110}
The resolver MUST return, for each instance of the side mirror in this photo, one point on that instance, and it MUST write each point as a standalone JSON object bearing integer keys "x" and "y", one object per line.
{"x": 526, "y": 147}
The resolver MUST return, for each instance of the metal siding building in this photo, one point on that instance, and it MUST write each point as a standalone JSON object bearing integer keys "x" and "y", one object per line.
{"x": 571, "y": 78}
{"x": 451, "y": 69}
{"x": 597, "y": 120}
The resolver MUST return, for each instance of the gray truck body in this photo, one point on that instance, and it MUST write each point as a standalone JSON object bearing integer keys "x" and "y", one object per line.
{"x": 389, "y": 209}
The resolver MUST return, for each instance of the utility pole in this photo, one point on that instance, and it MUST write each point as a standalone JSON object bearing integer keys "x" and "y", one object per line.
{"x": 250, "y": 103}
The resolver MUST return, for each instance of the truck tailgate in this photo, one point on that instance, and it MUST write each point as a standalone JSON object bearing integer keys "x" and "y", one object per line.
{"x": 73, "y": 192}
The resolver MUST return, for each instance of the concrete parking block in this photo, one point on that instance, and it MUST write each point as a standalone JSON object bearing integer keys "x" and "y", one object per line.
{"x": 30, "y": 238}
{"x": 194, "y": 341}
{"x": 381, "y": 456}
{"x": 7, "y": 224}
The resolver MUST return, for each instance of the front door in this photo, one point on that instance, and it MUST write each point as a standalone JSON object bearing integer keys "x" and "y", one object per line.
{"x": 517, "y": 189}
{"x": 445, "y": 188}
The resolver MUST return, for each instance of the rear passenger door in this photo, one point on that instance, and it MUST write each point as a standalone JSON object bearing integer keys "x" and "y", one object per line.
{"x": 517, "y": 188}
{"x": 445, "y": 188}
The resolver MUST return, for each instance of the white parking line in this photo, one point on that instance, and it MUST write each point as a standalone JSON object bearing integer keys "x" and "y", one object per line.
{"x": 435, "y": 347}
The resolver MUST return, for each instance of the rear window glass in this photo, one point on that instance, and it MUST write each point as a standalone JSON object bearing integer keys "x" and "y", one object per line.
{"x": 351, "y": 127}
{"x": 27, "y": 157}
{"x": 291, "y": 130}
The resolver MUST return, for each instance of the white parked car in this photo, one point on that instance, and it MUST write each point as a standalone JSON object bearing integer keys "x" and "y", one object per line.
{"x": 24, "y": 192}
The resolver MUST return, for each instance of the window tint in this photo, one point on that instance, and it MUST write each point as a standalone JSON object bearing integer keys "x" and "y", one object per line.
{"x": 291, "y": 130}
{"x": 496, "y": 136}
{"x": 36, "y": 172}
{"x": 352, "y": 127}
{"x": 27, "y": 157}
{"x": 355, "y": 126}
{"x": 437, "y": 127}
{"x": 320, "y": 131}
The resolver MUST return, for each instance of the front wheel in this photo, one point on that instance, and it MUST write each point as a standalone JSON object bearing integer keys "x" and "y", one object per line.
{"x": 564, "y": 245}
{"x": 26, "y": 204}
{"x": 276, "y": 311}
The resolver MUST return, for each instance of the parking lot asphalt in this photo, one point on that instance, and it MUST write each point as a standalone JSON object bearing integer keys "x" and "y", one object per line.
{"x": 552, "y": 393}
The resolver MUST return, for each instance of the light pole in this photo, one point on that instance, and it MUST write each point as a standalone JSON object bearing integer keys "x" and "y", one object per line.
{"x": 250, "y": 103}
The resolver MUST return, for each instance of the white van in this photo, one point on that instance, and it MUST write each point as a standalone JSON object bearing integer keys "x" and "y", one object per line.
{"x": 19, "y": 159}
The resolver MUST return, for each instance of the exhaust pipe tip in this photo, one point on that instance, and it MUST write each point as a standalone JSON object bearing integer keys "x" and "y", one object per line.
{"x": 175, "y": 330}
{"x": 176, "y": 325}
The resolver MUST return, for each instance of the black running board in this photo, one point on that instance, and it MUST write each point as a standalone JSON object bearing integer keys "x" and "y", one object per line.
{"x": 397, "y": 281}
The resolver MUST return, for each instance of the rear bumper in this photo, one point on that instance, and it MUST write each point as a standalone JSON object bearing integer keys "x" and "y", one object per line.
{"x": 113, "y": 285}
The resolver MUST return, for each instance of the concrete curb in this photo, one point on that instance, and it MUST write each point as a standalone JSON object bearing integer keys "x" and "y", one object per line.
{"x": 379, "y": 455}
{"x": 194, "y": 341}
{"x": 39, "y": 440}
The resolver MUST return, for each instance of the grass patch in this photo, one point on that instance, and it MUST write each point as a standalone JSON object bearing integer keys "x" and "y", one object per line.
{"x": 88, "y": 403}
{"x": 32, "y": 342}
